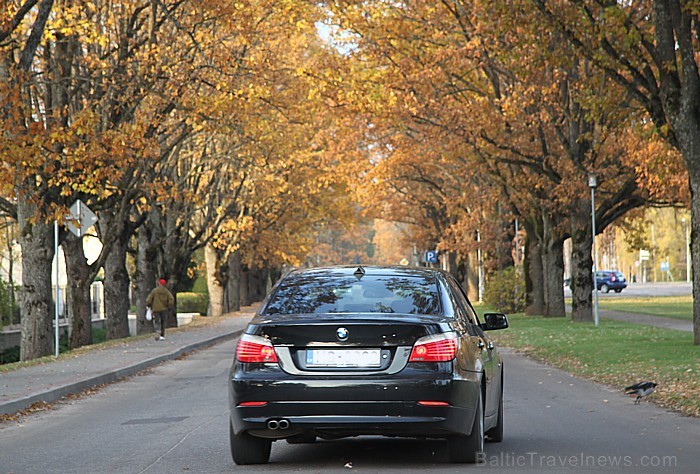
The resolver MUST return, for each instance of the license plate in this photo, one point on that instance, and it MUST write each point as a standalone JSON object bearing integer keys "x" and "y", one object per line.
{"x": 343, "y": 358}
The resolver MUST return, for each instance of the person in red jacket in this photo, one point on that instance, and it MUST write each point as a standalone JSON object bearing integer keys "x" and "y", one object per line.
{"x": 160, "y": 300}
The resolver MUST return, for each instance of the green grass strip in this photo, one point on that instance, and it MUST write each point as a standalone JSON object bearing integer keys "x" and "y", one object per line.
{"x": 615, "y": 353}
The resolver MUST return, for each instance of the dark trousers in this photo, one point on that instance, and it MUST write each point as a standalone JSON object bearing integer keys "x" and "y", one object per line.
{"x": 160, "y": 316}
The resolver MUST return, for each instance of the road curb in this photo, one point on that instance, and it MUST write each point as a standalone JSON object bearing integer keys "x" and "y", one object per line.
{"x": 57, "y": 393}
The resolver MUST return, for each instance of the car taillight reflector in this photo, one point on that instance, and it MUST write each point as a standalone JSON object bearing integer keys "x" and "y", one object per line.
{"x": 437, "y": 348}
{"x": 252, "y": 404}
{"x": 255, "y": 349}
{"x": 432, "y": 403}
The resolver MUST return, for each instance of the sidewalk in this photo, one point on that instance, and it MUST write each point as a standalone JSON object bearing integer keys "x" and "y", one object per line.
{"x": 51, "y": 381}
{"x": 649, "y": 320}
{"x": 645, "y": 319}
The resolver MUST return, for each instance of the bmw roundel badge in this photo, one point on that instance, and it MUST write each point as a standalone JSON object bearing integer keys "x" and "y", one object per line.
{"x": 342, "y": 334}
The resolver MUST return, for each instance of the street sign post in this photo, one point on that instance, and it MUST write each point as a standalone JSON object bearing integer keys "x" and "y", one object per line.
{"x": 81, "y": 218}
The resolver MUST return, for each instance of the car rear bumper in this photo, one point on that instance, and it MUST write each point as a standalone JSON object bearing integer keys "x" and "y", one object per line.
{"x": 337, "y": 408}
{"x": 614, "y": 286}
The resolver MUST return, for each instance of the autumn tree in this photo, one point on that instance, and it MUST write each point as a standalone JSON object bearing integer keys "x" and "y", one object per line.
{"x": 16, "y": 147}
{"x": 257, "y": 163}
{"x": 112, "y": 99}
{"x": 103, "y": 93}
{"x": 525, "y": 129}
{"x": 650, "y": 49}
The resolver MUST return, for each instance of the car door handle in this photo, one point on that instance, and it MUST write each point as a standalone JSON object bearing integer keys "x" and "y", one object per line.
{"x": 489, "y": 346}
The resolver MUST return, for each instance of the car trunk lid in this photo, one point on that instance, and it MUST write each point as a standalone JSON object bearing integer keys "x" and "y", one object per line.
{"x": 322, "y": 343}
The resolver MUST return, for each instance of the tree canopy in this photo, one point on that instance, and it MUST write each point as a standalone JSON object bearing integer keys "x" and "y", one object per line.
{"x": 270, "y": 130}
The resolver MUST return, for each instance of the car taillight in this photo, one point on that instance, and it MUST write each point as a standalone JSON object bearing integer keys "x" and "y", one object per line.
{"x": 255, "y": 349}
{"x": 436, "y": 348}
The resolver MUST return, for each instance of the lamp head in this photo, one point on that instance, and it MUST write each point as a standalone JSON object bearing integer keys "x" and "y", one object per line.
{"x": 592, "y": 181}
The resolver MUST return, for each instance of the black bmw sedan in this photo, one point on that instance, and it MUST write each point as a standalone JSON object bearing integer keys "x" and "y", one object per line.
{"x": 348, "y": 351}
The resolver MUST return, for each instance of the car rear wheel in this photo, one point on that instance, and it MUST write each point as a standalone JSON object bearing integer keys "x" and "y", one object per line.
{"x": 604, "y": 288}
{"x": 495, "y": 434}
{"x": 467, "y": 449}
{"x": 249, "y": 449}
{"x": 617, "y": 290}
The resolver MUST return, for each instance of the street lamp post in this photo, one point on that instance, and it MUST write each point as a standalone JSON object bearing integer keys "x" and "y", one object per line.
{"x": 58, "y": 290}
{"x": 517, "y": 246}
{"x": 592, "y": 183}
{"x": 481, "y": 267}
{"x": 687, "y": 249}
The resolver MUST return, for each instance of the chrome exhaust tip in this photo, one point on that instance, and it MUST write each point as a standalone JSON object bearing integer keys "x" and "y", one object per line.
{"x": 273, "y": 424}
{"x": 283, "y": 424}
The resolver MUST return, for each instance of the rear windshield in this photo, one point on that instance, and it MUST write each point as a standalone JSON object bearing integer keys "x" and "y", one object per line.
{"x": 332, "y": 293}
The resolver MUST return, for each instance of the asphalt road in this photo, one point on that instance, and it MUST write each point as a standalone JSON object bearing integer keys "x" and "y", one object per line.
{"x": 174, "y": 418}
{"x": 633, "y": 290}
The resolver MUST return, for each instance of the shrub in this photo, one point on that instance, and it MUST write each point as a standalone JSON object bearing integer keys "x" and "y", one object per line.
{"x": 192, "y": 303}
{"x": 9, "y": 355}
{"x": 505, "y": 291}
{"x": 9, "y": 312}
{"x": 99, "y": 335}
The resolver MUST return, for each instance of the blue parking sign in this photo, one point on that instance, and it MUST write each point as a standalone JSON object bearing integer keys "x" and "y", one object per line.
{"x": 431, "y": 256}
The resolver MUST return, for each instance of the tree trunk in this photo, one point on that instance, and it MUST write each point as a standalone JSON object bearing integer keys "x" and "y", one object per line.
{"x": 690, "y": 148}
{"x": 171, "y": 319}
{"x": 681, "y": 104}
{"x": 504, "y": 250}
{"x": 581, "y": 266}
{"x": 144, "y": 279}
{"x": 214, "y": 286}
{"x": 116, "y": 286}
{"x": 451, "y": 266}
{"x": 695, "y": 246}
{"x": 257, "y": 277}
{"x": 553, "y": 266}
{"x": 78, "y": 271}
{"x": 245, "y": 286}
{"x": 167, "y": 241}
{"x": 462, "y": 272}
{"x": 552, "y": 271}
{"x": 233, "y": 283}
{"x": 36, "y": 239}
{"x": 472, "y": 276}
{"x": 534, "y": 277}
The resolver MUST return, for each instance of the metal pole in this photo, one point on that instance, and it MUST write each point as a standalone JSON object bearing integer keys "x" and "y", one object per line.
{"x": 58, "y": 294}
{"x": 687, "y": 252}
{"x": 595, "y": 267}
{"x": 481, "y": 267}
{"x": 517, "y": 245}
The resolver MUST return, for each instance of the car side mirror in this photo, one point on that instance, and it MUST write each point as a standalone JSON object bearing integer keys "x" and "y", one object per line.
{"x": 494, "y": 321}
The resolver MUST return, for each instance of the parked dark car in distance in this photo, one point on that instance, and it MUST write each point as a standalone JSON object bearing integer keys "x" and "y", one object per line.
{"x": 607, "y": 280}
{"x": 348, "y": 351}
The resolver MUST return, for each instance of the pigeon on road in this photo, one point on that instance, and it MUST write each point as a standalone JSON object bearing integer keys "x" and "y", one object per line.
{"x": 640, "y": 389}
